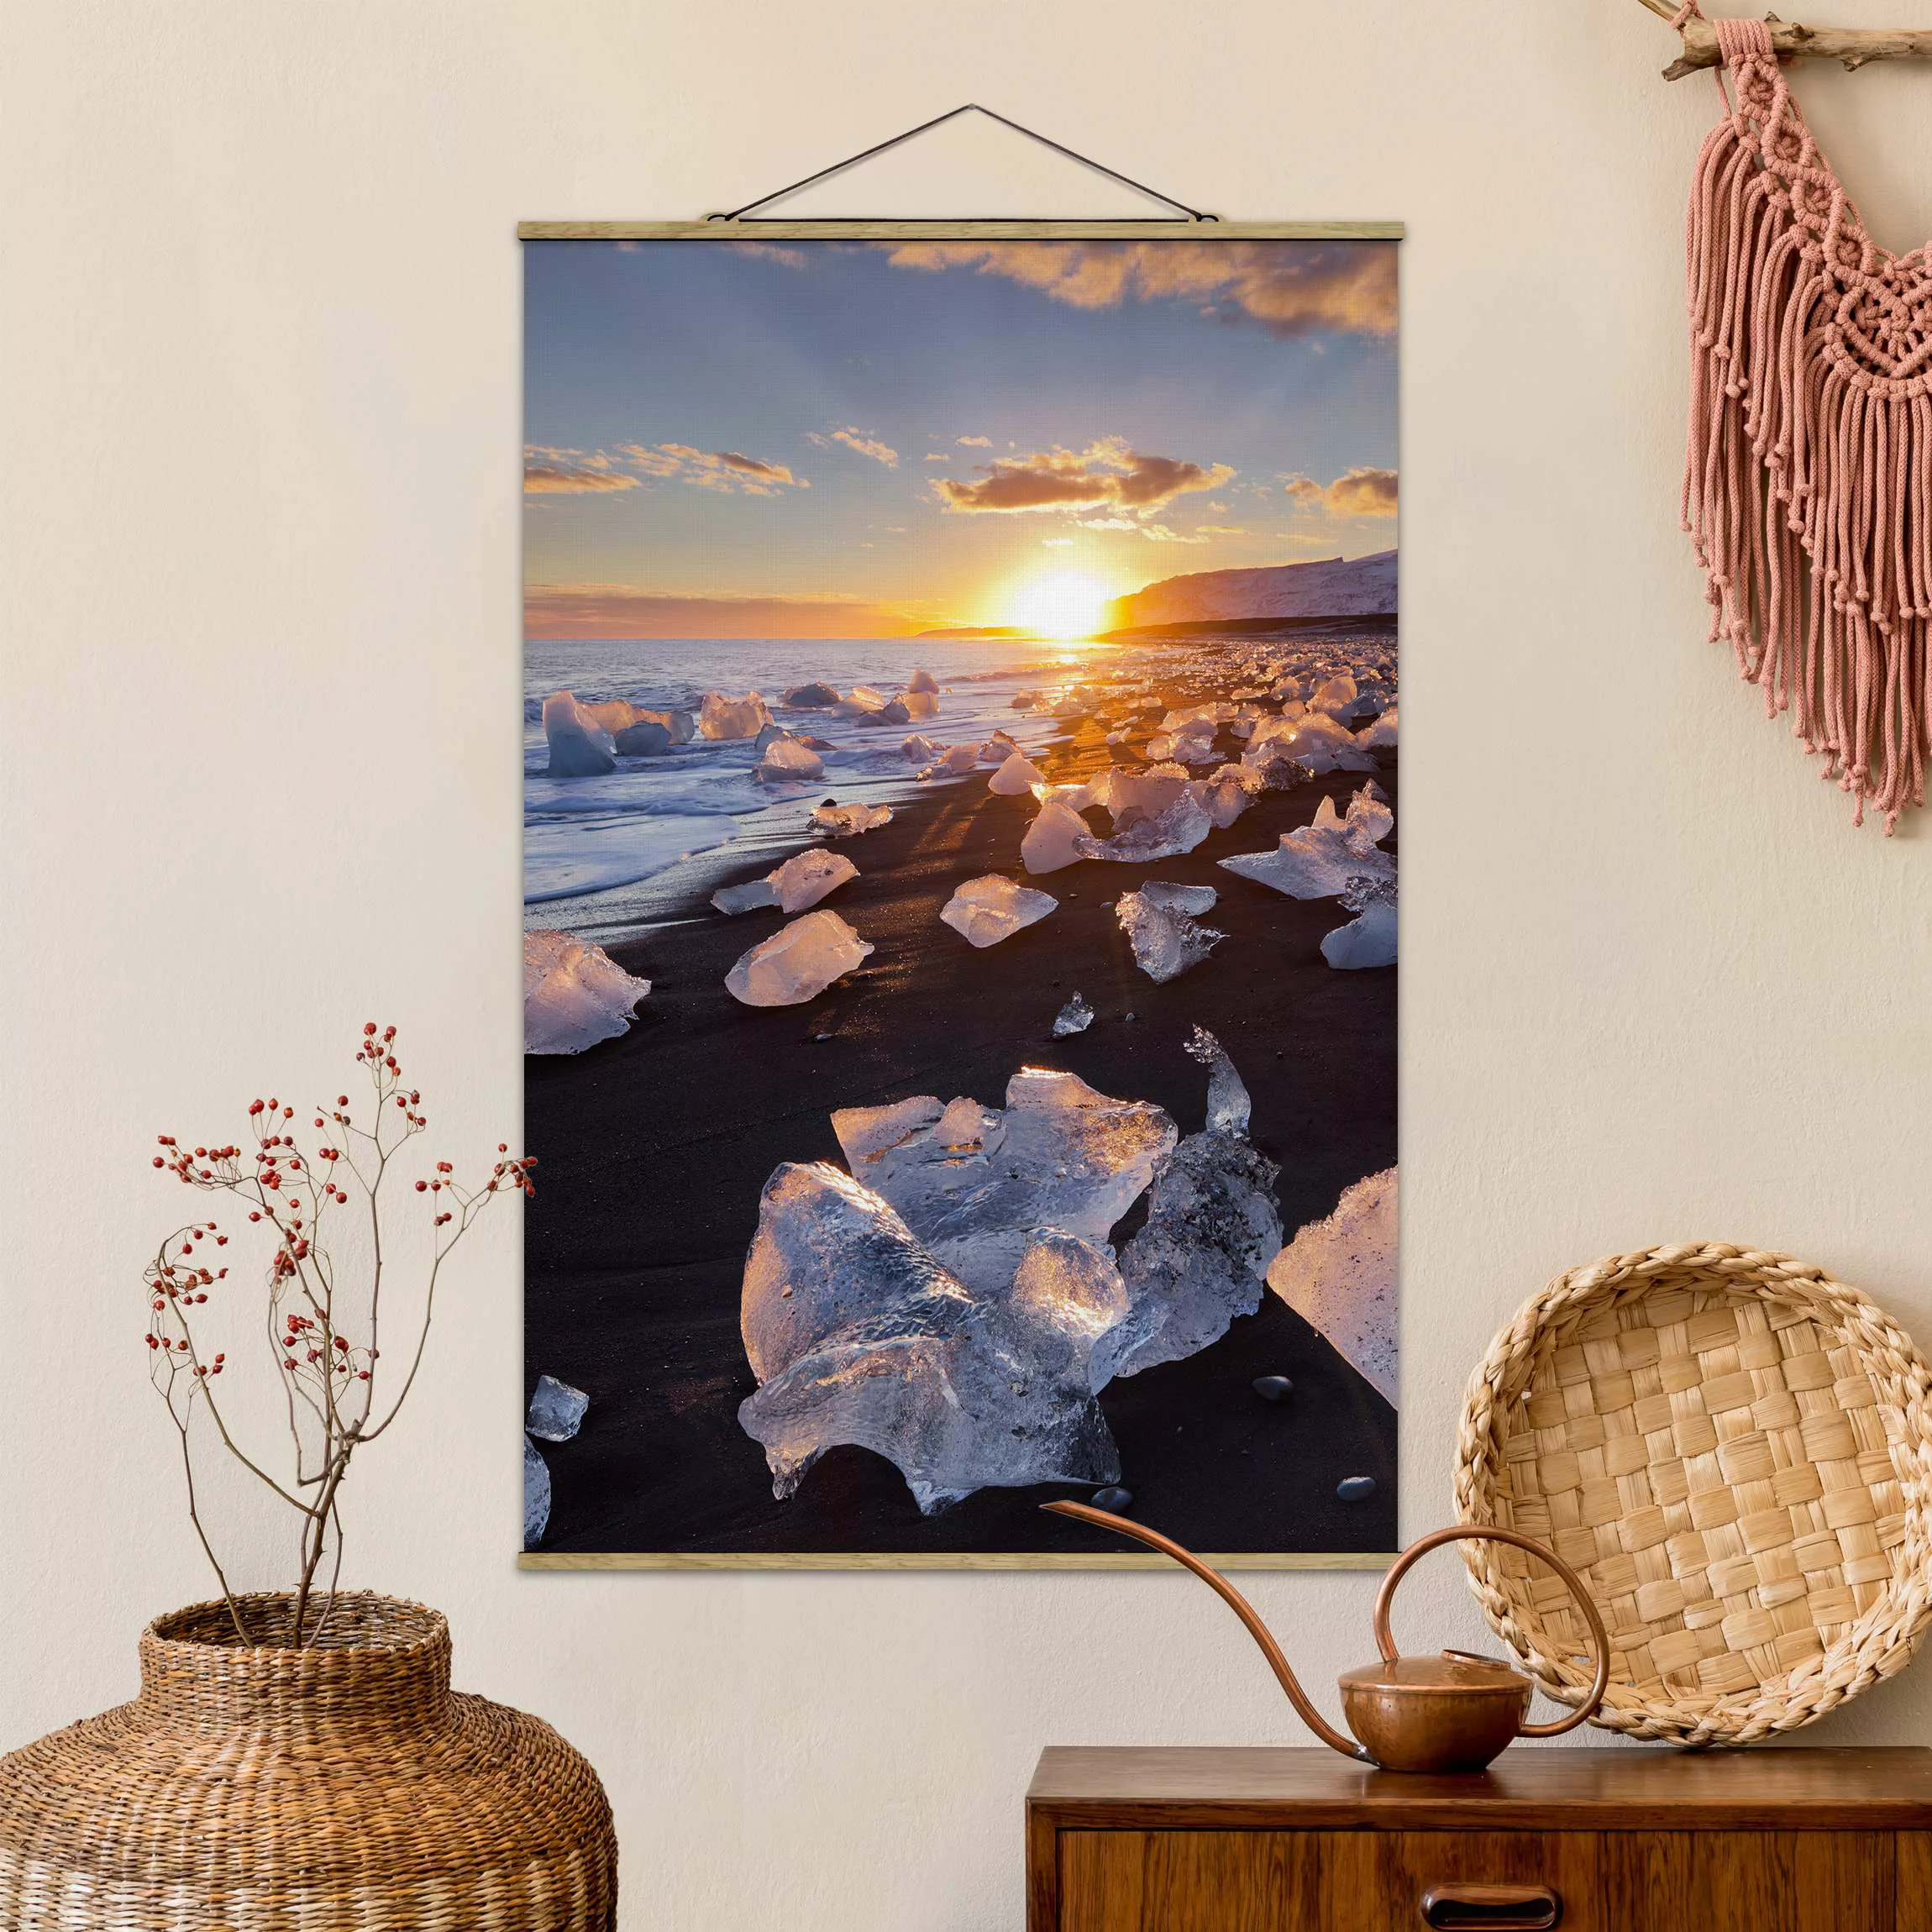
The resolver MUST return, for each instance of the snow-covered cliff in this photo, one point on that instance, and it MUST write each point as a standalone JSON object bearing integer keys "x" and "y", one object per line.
{"x": 1338, "y": 587}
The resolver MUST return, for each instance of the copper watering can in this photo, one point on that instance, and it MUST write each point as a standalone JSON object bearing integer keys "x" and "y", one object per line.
{"x": 1452, "y": 1712}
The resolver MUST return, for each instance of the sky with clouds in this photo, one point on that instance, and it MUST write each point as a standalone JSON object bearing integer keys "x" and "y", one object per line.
{"x": 846, "y": 439}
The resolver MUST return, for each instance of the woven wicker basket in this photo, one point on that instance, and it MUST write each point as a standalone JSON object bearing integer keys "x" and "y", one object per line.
{"x": 1735, "y": 1451}
{"x": 342, "y": 1786}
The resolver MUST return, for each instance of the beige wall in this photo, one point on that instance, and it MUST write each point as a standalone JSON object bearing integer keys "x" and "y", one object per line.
{"x": 258, "y": 540}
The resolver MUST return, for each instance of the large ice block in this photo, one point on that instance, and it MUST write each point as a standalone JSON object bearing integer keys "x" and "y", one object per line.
{"x": 975, "y": 1183}
{"x": 858, "y": 1335}
{"x": 797, "y": 963}
{"x": 574, "y": 995}
{"x": 1166, "y": 937}
{"x": 986, "y": 910}
{"x": 580, "y": 746}
{"x": 721, "y": 717}
{"x": 1319, "y": 860}
{"x": 1339, "y": 1276}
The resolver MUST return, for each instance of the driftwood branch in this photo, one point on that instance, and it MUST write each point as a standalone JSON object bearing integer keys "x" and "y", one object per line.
{"x": 1853, "y": 45}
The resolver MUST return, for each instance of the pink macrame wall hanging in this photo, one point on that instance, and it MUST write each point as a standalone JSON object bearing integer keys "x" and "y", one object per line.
{"x": 1807, "y": 483}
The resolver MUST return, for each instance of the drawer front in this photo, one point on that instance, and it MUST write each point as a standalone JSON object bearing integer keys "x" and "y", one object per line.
{"x": 1326, "y": 1881}
{"x": 1378, "y": 1881}
{"x": 1750, "y": 1882}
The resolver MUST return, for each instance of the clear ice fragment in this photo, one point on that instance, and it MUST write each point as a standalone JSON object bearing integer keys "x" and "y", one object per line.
{"x": 556, "y": 1409}
{"x": 1229, "y": 1106}
{"x": 580, "y": 747}
{"x": 812, "y": 697}
{"x": 1074, "y": 1017}
{"x": 786, "y": 761}
{"x": 1060, "y": 1155}
{"x": 797, "y": 963}
{"x": 574, "y": 994}
{"x": 858, "y": 1335}
{"x": 1139, "y": 840}
{"x": 720, "y": 716}
{"x": 807, "y": 877}
{"x": 1339, "y": 1276}
{"x": 1365, "y": 942}
{"x": 848, "y": 821}
{"x": 986, "y": 910}
{"x": 922, "y": 681}
{"x": 1018, "y": 774}
{"x": 1165, "y": 940}
{"x": 1054, "y": 839}
{"x": 1319, "y": 860}
{"x": 536, "y": 1495}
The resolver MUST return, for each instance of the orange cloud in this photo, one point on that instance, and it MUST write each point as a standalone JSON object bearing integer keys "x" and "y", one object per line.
{"x": 976, "y": 442}
{"x": 727, "y": 471}
{"x": 618, "y": 610}
{"x": 1356, "y": 493}
{"x": 1106, "y": 475}
{"x": 1288, "y": 287}
{"x": 856, "y": 439}
{"x": 572, "y": 473}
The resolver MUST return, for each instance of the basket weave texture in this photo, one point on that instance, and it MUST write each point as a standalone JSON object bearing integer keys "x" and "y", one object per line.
{"x": 1735, "y": 1451}
{"x": 337, "y": 1786}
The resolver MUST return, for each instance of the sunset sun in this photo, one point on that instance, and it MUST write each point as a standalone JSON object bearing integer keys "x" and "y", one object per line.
{"x": 1062, "y": 604}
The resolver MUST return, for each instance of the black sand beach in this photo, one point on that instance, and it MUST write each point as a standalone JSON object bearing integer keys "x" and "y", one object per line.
{"x": 654, "y": 1148}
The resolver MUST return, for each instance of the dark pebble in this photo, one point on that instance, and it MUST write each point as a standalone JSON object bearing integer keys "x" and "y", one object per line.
{"x": 1115, "y": 1501}
{"x": 1272, "y": 1388}
{"x": 1355, "y": 1489}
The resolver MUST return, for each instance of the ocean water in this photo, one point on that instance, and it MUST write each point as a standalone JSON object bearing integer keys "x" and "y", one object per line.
{"x": 588, "y": 841}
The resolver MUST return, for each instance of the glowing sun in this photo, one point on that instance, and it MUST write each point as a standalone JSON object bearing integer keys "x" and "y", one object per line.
{"x": 1062, "y": 604}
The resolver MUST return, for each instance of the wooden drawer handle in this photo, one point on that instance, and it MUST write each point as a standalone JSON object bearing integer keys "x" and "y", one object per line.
{"x": 1491, "y": 1907}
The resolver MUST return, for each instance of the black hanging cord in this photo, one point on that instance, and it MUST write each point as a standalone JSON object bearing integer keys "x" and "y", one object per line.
{"x": 1185, "y": 214}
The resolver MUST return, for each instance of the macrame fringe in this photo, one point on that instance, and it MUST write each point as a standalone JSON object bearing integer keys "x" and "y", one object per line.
{"x": 1808, "y": 482}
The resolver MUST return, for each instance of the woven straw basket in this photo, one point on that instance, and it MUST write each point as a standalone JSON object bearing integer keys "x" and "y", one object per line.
{"x": 1733, "y": 1449}
{"x": 342, "y": 1786}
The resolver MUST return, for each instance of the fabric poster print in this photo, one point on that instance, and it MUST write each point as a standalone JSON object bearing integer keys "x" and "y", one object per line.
{"x": 960, "y": 894}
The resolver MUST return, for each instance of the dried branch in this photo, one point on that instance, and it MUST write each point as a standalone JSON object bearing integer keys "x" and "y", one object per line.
{"x": 1856, "y": 46}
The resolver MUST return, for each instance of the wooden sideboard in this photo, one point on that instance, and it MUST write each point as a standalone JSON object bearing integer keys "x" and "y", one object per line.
{"x": 1626, "y": 1839}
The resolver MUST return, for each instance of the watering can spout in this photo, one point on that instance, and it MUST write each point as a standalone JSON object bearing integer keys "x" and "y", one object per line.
{"x": 1250, "y": 1617}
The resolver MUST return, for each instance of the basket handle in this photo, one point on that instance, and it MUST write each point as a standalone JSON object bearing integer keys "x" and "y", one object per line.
{"x": 1486, "y": 1533}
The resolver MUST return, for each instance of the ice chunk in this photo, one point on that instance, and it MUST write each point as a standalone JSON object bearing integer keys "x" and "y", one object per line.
{"x": 893, "y": 711}
{"x": 1054, "y": 839}
{"x": 858, "y": 1335}
{"x": 574, "y": 995}
{"x": 1018, "y": 774}
{"x": 1139, "y": 840}
{"x": 580, "y": 747}
{"x": 645, "y": 738}
{"x": 1143, "y": 794}
{"x": 919, "y": 704}
{"x": 726, "y": 718}
{"x": 1333, "y": 695}
{"x": 1318, "y": 861}
{"x": 1228, "y": 1104}
{"x": 812, "y": 697}
{"x": 919, "y": 750}
{"x": 1074, "y": 1017}
{"x": 536, "y": 1495}
{"x": 808, "y": 877}
{"x": 848, "y": 821}
{"x": 998, "y": 749}
{"x": 922, "y": 681}
{"x": 954, "y": 762}
{"x": 802, "y": 880}
{"x": 1166, "y": 939}
{"x": 1192, "y": 901}
{"x": 1339, "y": 1276}
{"x": 749, "y": 897}
{"x": 1229, "y": 792}
{"x": 786, "y": 761}
{"x": 797, "y": 963}
{"x": 986, "y": 910}
{"x": 1368, "y": 940}
{"x": 975, "y": 1183}
{"x": 1212, "y": 1228}
{"x": 1315, "y": 739}
{"x": 1025, "y": 701}
{"x": 1379, "y": 736}
{"x": 556, "y": 1409}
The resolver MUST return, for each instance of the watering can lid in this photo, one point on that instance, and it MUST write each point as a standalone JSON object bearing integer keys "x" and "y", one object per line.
{"x": 1460, "y": 1672}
